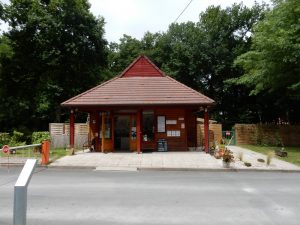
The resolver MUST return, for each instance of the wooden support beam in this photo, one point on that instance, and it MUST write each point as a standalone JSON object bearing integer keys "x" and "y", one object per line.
{"x": 112, "y": 130}
{"x": 138, "y": 132}
{"x": 72, "y": 129}
{"x": 206, "y": 130}
{"x": 103, "y": 132}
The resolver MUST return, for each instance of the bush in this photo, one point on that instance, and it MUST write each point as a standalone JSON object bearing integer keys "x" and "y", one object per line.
{"x": 17, "y": 139}
{"x": 38, "y": 137}
{"x": 4, "y": 139}
{"x": 270, "y": 155}
{"x": 241, "y": 156}
{"x": 228, "y": 156}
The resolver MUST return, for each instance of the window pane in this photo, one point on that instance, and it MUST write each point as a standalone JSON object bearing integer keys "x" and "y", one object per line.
{"x": 133, "y": 128}
{"x": 107, "y": 132}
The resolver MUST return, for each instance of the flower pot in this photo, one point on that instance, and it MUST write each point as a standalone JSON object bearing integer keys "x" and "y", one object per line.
{"x": 226, "y": 164}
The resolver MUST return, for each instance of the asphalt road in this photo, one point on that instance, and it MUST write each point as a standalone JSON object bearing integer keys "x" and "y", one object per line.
{"x": 84, "y": 197}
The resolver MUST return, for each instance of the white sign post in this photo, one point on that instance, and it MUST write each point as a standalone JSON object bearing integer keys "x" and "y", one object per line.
{"x": 20, "y": 192}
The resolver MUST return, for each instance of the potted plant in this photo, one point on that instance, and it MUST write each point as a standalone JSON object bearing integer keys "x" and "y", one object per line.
{"x": 227, "y": 158}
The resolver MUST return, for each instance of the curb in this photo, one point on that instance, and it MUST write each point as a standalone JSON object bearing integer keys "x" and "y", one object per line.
{"x": 155, "y": 169}
{"x": 216, "y": 170}
{"x": 5, "y": 165}
{"x": 174, "y": 169}
{"x": 72, "y": 167}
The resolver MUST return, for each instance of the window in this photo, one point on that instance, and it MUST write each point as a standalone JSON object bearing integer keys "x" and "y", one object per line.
{"x": 161, "y": 124}
{"x": 133, "y": 128}
{"x": 107, "y": 132}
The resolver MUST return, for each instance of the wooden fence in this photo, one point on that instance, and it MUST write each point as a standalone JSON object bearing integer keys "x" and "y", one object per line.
{"x": 60, "y": 134}
{"x": 267, "y": 134}
{"x": 215, "y": 134}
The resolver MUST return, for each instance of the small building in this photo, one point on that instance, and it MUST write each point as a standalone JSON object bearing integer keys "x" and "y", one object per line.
{"x": 141, "y": 109}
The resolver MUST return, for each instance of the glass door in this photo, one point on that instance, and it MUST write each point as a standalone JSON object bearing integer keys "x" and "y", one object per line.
{"x": 122, "y": 131}
{"x": 148, "y": 128}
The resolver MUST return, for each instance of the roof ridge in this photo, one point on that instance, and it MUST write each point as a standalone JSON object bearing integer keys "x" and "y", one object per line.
{"x": 196, "y": 92}
{"x": 134, "y": 62}
{"x": 89, "y": 90}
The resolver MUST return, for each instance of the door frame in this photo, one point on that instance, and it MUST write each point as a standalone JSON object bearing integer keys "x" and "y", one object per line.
{"x": 132, "y": 142}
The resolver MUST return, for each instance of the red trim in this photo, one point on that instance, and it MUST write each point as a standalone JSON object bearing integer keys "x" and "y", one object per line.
{"x": 206, "y": 130}
{"x": 136, "y": 60}
{"x": 72, "y": 128}
{"x": 138, "y": 131}
{"x": 112, "y": 129}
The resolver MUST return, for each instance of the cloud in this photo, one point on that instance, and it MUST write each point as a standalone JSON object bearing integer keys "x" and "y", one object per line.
{"x": 135, "y": 17}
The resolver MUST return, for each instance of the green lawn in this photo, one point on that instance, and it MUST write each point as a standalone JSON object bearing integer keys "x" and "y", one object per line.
{"x": 293, "y": 152}
{"x": 29, "y": 153}
{"x": 58, "y": 153}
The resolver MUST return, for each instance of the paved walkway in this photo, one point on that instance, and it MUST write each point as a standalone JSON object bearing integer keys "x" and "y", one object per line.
{"x": 155, "y": 160}
{"x": 168, "y": 160}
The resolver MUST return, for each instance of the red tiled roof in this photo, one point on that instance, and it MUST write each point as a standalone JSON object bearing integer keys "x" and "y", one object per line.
{"x": 147, "y": 89}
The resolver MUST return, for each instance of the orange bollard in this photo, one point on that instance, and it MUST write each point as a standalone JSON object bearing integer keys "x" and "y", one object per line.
{"x": 45, "y": 152}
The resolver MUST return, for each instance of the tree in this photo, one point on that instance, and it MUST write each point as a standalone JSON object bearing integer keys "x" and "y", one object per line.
{"x": 122, "y": 54}
{"x": 201, "y": 56}
{"x": 272, "y": 65}
{"x": 59, "y": 51}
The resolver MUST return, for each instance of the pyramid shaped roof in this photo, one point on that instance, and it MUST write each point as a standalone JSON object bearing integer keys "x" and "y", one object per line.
{"x": 141, "y": 83}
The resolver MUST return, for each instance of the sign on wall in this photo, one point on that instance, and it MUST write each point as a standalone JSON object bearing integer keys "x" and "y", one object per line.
{"x": 173, "y": 133}
{"x": 161, "y": 124}
{"x": 171, "y": 122}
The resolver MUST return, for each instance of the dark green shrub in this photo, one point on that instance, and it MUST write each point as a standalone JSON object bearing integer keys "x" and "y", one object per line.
{"x": 17, "y": 139}
{"x": 4, "y": 139}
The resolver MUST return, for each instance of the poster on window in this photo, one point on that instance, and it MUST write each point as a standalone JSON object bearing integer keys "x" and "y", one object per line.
{"x": 161, "y": 124}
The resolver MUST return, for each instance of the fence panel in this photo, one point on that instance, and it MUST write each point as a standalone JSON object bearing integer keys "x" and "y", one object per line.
{"x": 215, "y": 134}
{"x": 60, "y": 134}
{"x": 267, "y": 134}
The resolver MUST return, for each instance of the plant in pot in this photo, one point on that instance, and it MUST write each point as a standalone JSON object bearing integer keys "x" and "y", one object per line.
{"x": 227, "y": 158}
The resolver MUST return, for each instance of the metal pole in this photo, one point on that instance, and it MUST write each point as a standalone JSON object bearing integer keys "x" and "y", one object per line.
{"x": 20, "y": 192}
{"x": 206, "y": 130}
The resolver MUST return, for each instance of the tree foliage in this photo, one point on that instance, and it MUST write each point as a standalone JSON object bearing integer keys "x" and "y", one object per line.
{"x": 58, "y": 51}
{"x": 201, "y": 55}
{"x": 272, "y": 66}
{"x": 54, "y": 49}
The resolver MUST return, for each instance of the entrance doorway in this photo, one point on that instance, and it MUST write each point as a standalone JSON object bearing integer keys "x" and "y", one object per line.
{"x": 122, "y": 133}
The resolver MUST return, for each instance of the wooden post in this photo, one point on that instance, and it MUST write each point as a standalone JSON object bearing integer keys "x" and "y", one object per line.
{"x": 72, "y": 130}
{"x": 103, "y": 132}
{"x": 138, "y": 132}
{"x": 196, "y": 133}
{"x": 206, "y": 130}
{"x": 112, "y": 130}
{"x": 45, "y": 152}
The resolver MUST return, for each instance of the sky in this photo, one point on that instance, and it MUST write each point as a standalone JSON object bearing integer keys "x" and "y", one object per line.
{"x": 136, "y": 17}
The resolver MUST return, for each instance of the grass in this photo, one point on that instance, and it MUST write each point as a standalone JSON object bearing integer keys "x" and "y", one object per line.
{"x": 30, "y": 153}
{"x": 58, "y": 153}
{"x": 293, "y": 152}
